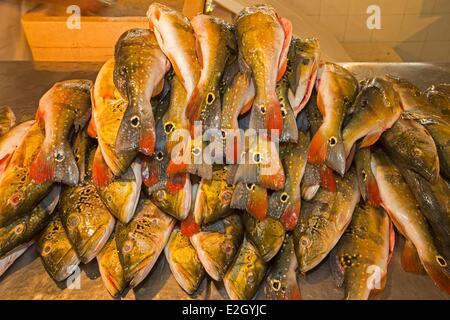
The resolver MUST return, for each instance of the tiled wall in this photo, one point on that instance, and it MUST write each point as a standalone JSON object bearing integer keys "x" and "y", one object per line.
{"x": 418, "y": 30}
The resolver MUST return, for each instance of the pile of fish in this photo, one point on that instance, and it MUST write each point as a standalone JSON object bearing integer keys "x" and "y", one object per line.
{"x": 97, "y": 173}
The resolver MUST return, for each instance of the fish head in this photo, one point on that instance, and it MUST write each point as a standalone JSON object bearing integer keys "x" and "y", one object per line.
{"x": 175, "y": 201}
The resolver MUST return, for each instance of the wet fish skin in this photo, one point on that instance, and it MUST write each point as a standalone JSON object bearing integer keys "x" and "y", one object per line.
{"x": 7, "y": 120}
{"x": 439, "y": 96}
{"x": 216, "y": 46}
{"x": 121, "y": 195}
{"x": 64, "y": 107}
{"x": 85, "y": 217}
{"x": 217, "y": 244}
{"x": 266, "y": 235}
{"x": 245, "y": 274}
{"x": 184, "y": 262}
{"x": 281, "y": 281}
{"x": 141, "y": 241}
{"x": 10, "y": 140}
{"x": 403, "y": 209}
{"x": 367, "y": 184}
{"x": 213, "y": 197}
{"x": 285, "y": 204}
{"x": 336, "y": 91}
{"x": 410, "y": 143}
{"x": 18, "y": 193}
{"x": 81, "y": 145}
{"x": 23, "y": 230}
{"x": 377, "y": 109}
{"x": 110, "y": 268}
{"x": 176, "y": 39}
{"x": 310, "y": 183}
{"x": 363, "y": 253}
{"x": 323, "y": 221}
{"x": 140, "y": 66}
{"x": 261, "y": 50}
{"x": 290, "y": 131}
{"x": 434, "y": 202}
{"x": 108, "y": 109}
{"x": 303, "y": 63}
{"x": 58, "y": 255}
{"x": 251, "y": 198}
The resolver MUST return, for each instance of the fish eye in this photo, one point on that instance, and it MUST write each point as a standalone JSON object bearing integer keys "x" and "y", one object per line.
{"x": 250, "y": 186}
{"x": 229, "y": 185}
{"x": 284, "y": 197}
{"x": 364, "y": 175}
{"x": 77, "y": 158}
{"x": 283, "y": 112}
{"x": 416, "y": 152}
{"x": 224, "y": 135}
{"x": 210, "y": 98}
{"x": 109, "y": 198}
{"x": 128, "y": 245}
{"x": 250, "y": 277}
{"x": 257, "y": 158}
{"x": 59, "y": 157}
{"x": 169, "y": 127}
{"x": 276, "y": 284}
{"x": 227, "y": 248}
{"x": 196, "y": 151}
{"x": 332, "y": 141}
{"x": 73, "y": 221}
{"x": 305, "y": 242}
{"x": 159, "y": 156}
{"x": 47, "y": 248}
{"x": 135, "y": 121}
{"x": 19, "y": 229}
{"x": 441, "y": 261}
{"x": 160, "y": 194}
{"x": 263, "y": 109}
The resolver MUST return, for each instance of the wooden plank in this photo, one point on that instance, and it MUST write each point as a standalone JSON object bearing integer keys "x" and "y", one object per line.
{"x": 193, "y": 7}
{"x": 72, "y": 54}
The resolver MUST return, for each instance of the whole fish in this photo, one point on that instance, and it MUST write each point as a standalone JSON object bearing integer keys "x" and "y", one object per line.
{"x": 108, "y": 109}
{"x": 110, "y": 268}
{"x": 245, "y": 274}
{"x": 377, "y": 108}
{"x": 85, "y": 217}
{"x": 213, "y": 197}
{"x": 360, "y": 259}
{"x": 410, "y": 143}
{"x": 217, "y": 245}
{"x": 323, "y": 221}
{"x": 58, "y": 255}
{"x": 267, "y": 235}
{"x": 413, "y": 100}
{"x": 10, "y": 140}
{"x": 263, "y": 50}
{"x": 237, "y": 100}
{"x": 251, "y": 198}
{"x": 439, "y": 96}
{"x": 140, "y": 66}
{"x": 439, "y": 129}
{"x": 121, "y": 195}
{"x": 281, "y": 281}
{"x": 19, "y": 194}
{"x": 141, "y": 241}
{"x": 176, "y": 39}
{"x": 63, "y": 108}
{"x": 336, "y": 92}
{"x": 285, "y": 204}
{"x": 303, "y": 63}
{"x": 8, "y": 260}
{"x": 22, "y": 230}
{"x": 404, "y": 212}
{"x": 290, "y": 131}
{"x": 216, "y": 46}
{"x": 434, "y": 202}
{"x": 184, "y": 262}
{"x": 366, "y": 180}
{"x": 7, "y": 120}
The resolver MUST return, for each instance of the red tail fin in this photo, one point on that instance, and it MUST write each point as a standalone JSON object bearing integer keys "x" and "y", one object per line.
{"x": 373, "y": 194}
{"x": 290, "y": 216}
{"x": 318, "y": 148}
{"x": 410, "y": 259}
{"x": 176, "y": 183}
{"x": 42, "y": 169}
{"x": 147, "y": 142}
{"x": 101, "y": 174}
{"x": 274, "y": 118}
{"x": 258, "y": 203}
{"x": 327, "y": 179}
{"x": 150, "y": 172}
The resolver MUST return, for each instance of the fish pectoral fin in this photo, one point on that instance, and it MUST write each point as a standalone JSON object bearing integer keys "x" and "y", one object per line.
{"x": 410, "y": 259}
{"x": 101, "y": 174}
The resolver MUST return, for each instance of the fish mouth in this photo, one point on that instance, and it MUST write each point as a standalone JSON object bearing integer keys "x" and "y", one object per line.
{"x": 210, "y": 266}
{"x": 95, "y": 243}
{"x": 231, "y": 290}
{"x": 140, "y": 271}
{"x": 66, "y": 265}
{"x": 127, "y": 211}
{"x": 181, "y": 275}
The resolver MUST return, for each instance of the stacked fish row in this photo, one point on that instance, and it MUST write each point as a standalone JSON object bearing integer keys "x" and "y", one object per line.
{"x": 106, "y": 151}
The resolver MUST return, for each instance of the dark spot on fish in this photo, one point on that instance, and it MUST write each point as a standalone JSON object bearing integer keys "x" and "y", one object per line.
{"x": 77, "y": 158}
{"x": 224, "y": 135}
{"x": 135, "y": 121}
{"x": 441, "y": 261}
{"x": 59, "y": 157}
{"x": 169, "y": 127}
{"x": 263, "y": 109}
{"x": 284, "y": 197}
{"x": 159, "y": 156}
{"x": 364, "y": 175}
{"x": 283, "y": 112}
{"x": 257, "y": 158}
{"x": 210, "y": 98}
{"x": 276, "y": 284}
{"x": 332, "y": 141}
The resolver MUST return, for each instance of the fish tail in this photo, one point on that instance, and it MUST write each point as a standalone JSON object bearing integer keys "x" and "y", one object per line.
{"x": 147, "y": 138}
{"x": 327, "y": 179}
{"x": 317, "y": 153}
{"x": 373, "y": 194}
{"x": 55, "y": 164}
{"x": 274, "y": 118}
{"x": 91, "y": 129}
{"x": 101, "y": 174}
{"x": 258, "y": 202}
{"x": 290, "y": 216}
{"x": 438, "y": 270}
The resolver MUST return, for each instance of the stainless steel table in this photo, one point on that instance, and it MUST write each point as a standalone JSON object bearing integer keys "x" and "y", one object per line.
{"x": 21, "y": 85}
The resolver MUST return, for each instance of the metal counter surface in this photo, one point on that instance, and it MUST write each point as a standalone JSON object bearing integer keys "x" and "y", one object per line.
{"x": 22, "y": 84}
